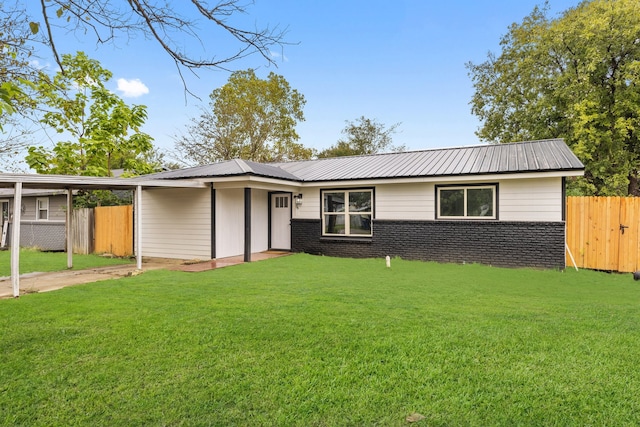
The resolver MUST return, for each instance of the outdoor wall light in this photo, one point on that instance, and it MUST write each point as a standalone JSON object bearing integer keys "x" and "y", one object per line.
{"x": 298, "y": 199}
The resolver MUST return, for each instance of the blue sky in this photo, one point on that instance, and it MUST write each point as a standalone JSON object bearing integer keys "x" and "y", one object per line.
{"x": 394, "y": 61}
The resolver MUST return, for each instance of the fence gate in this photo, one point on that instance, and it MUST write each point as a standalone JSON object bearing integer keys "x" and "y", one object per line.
{"x": 603, "y": 233}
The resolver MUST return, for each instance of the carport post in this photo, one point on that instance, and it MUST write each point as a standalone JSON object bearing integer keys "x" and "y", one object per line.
{"x": 15, "y": 239}
{"x": 69, "y": 228}
{"x": 138, "y": 227}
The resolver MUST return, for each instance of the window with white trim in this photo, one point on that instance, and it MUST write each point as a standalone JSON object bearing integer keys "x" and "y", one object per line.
{"x": 42, "y": 208}
{"x": 468, "y": 202}
{"x": 347, "y": 212}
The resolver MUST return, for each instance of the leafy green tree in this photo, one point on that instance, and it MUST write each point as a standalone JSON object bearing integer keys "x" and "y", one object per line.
{"x": 250, "y": 118}
{"x": 104, "y": 131}
{"x": 576, "y": 77}
{"x": 16, "y": 77}
{"x": 364, "y": 136}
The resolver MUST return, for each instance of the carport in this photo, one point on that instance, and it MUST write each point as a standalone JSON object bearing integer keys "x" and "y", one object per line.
{"x": 70, "y": 183}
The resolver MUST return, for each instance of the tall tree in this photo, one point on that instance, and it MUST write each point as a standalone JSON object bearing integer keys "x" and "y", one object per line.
{"x": 104, "y": 131}
{"x": 16, "y": 75}
{"x": 250, "y": 118}
{"x": 575, "y": 77}
{"x": 364, "y": 136}
{"x": 176, "y": 27}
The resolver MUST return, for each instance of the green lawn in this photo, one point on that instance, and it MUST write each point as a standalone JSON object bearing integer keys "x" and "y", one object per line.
{"x": 319, "y": 341}
{"x": 33, "y": 260}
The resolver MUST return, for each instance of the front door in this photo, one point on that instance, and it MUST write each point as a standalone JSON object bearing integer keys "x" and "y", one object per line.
{"x": 281, "y": 221}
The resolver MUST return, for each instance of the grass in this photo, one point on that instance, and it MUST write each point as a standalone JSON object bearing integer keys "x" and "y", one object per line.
{"x": 318, "y": 341}
{"x": 32, "y": 260}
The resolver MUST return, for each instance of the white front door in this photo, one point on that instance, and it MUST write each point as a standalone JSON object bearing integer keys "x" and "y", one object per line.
{"x": 281, "y": 221}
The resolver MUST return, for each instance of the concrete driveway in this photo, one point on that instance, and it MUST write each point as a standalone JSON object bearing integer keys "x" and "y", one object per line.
{"x": 43, "y": 282}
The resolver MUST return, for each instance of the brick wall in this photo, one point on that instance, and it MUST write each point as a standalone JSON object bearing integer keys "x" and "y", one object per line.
{"x": 500, "y": 243}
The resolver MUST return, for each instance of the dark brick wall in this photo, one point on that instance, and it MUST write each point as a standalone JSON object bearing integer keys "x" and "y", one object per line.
{"x": 499, "y": 243}
{"x": 48, "y": 236}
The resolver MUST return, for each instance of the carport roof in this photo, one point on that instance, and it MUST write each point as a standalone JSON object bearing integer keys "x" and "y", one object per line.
{"x": 55, "y": 182}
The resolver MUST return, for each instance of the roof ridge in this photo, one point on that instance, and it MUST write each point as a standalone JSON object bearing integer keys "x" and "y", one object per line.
{"x": 425, "y": 150}
{"x": 244, "y": 167}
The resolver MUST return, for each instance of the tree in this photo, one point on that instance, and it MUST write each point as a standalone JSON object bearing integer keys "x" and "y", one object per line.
{"x": 16, "y": 76}
{"x": 576, "y": 77}
{"x": 175, "y": 27}
{"x": 104, "y": 131}
{"x": 251, "y": 119}
{"x": 363, "y": 136}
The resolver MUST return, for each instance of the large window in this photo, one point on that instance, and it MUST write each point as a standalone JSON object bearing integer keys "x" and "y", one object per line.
{"x": 474, "y": 202}
{"x": 347, "y": 212}
{"x": 42, "y": 208}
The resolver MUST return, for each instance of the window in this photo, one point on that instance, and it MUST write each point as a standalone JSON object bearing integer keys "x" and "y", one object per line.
{"x": 282, "y": 201}
{"x": 347, "y": 213}
{"x": 42, "y": 208}
{"x": 475, "y": 202}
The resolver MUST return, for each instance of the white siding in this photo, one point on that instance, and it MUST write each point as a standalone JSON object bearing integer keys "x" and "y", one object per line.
{"x": 229, "y": 222}
{"x": 413, "y": 201}
{"x": 259, "y": 220}
{"x": 531, "y": 200}
{"x": 310, "y": 208}
{"x": 176, "y": 223}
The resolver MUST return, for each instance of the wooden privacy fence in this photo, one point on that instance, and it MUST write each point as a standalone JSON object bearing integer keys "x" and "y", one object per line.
{"x": 114, "y": 230}
{"x": 603, "y": 233}
{"x": 107, "y": 229}
{"x": 82, "y": 230}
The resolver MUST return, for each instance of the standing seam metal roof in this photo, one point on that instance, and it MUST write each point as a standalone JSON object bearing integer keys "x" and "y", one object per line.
{"x": 530, "y": 156}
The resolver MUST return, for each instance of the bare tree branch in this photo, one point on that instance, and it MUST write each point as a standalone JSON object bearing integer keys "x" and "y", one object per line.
{"x": 107, "y": 20}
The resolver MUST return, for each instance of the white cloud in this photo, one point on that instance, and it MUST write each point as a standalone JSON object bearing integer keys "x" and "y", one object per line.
{"x": 276, "y": 55}
{"x": 132, "y": 88}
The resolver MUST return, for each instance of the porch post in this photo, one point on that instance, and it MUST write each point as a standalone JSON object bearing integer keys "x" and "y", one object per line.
{"x": 247, "y": 225}
{"x": 213, "y": 222}
{"x": 69, "y": 228}
{"x": 15, "y": 239}
{"x": 138, "y": 227}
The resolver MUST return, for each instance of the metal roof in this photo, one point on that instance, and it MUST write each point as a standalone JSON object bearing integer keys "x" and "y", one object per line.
{"x": 532, "y": 156}
{"x": 550, "y": 155}
{"x": 235, "y": 167}
{"x": 30, "y": 192}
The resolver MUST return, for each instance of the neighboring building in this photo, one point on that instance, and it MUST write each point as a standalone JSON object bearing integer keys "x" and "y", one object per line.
{"x": 43, "y": 218}
{"x": 494, "y": 204}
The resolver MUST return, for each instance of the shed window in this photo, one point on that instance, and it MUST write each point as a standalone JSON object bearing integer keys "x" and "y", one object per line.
{"x": 347, "y": 213}
{"x": 473, "y": 202}
{"x": 42, "y": 208}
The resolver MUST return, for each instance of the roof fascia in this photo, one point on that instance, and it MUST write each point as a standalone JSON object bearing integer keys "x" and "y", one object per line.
{"x": 252, "y": 179}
